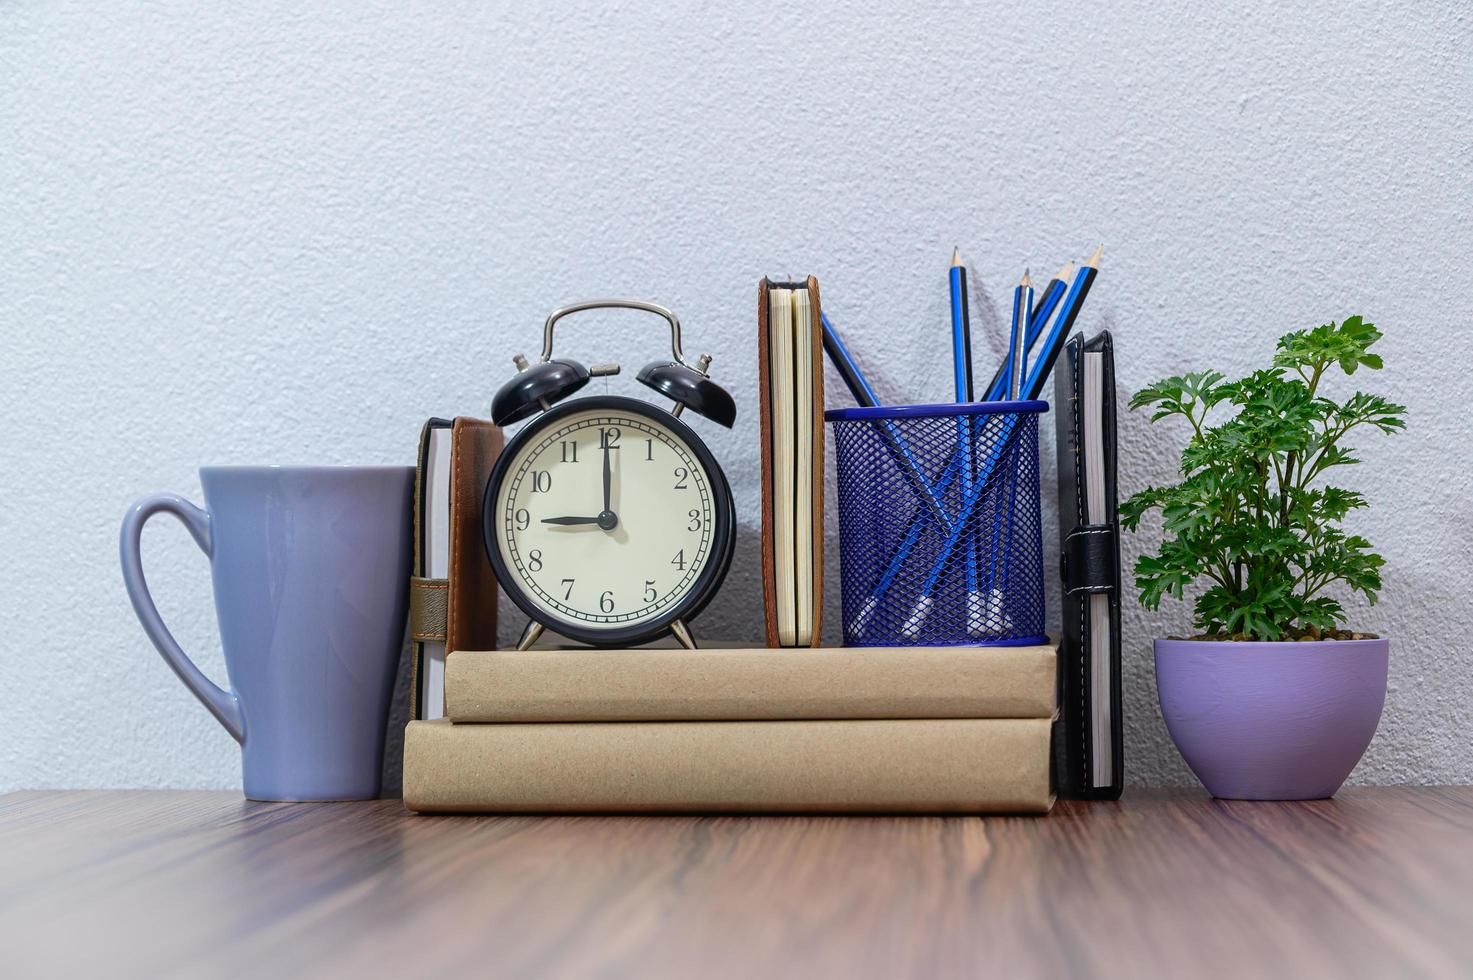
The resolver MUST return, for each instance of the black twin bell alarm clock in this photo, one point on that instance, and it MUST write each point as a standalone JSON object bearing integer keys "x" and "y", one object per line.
{"x": 606, "y": 518}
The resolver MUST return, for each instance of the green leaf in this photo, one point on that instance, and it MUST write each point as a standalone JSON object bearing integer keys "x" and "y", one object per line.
{"x": 1314, "y": 350}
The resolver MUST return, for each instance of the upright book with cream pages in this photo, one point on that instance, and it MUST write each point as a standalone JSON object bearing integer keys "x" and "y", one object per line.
{"x": 452, "y": 594}
{"x": 790, "y": 381}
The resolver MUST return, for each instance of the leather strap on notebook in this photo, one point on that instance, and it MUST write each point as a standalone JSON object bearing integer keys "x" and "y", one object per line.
{"x": 429, "y": 604}
{"x": 417, "y": 649}
{"x": 1087, "y": 564}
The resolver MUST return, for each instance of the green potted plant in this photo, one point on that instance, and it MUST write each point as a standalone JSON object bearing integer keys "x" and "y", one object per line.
{"x": 1272, "y": 698}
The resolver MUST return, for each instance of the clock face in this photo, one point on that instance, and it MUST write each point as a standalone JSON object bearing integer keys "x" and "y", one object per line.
{"x": 607, "y": 519}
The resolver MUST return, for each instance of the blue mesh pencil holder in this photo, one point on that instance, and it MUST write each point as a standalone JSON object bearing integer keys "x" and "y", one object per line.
{"x": 940, "y": 539}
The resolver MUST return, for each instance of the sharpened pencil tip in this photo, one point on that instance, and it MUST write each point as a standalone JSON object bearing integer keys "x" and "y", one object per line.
{"x": 1064, "y": 273}
{"x": 1093, "y": 262}
{"x": 1026, "y": 280}
{"x": 956, "y": 257}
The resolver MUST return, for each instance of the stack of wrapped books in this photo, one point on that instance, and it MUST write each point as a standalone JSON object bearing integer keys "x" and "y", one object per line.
{"x": 929, "y": 730}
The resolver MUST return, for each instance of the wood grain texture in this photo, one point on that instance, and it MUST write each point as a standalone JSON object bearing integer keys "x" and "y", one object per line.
{"x": 1376, "y": 883}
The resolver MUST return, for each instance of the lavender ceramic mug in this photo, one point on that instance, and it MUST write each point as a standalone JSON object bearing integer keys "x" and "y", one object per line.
{"x": 309, "y": 565}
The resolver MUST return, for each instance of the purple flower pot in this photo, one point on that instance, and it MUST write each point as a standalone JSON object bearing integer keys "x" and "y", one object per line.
{"x": 1271, "y": 721}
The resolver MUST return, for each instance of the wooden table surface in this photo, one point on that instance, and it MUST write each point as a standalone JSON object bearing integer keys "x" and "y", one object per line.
{"x": 1376, "y": 883}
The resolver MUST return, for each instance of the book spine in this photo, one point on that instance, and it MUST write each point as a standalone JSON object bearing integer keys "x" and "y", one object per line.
{"x": 946, "y": 766}
{"x": 817, "y": 458}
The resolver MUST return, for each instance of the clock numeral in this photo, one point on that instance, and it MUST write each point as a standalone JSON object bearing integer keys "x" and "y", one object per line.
{"x": 534, "y": 560}
{"x": 568, "y": 594}
{"x": 695, "y": 521}
{"x": 541, "y": 481}
{"x": 606, "y": 602}
{"x": 608, "y": 438}
{"x": 679, "y": 560}
{"x": 524, "y": 519}
{"x": 570, "y": 451}
{"x": 650, "y": 595}
{"x": 649, "y": 450}
{"x": 681, "y": 475}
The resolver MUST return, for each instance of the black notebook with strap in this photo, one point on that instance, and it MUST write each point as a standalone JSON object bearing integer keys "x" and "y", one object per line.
{"x": 1088, "y": 750}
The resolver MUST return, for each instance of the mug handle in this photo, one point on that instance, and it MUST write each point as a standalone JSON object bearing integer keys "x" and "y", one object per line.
{"x": 224, "y": 705}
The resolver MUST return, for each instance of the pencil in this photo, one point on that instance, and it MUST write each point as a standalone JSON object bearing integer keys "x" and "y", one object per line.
{"x": 1048, "y": 301}
{"x": 1018, "y": 338}
{"x": 961, "y": 350}
{"x": 1068, "y": 313}
{"x": 987, "y": 471}
{"x": 843, "y": 361}
{"x": 961, "y": 329}
{"x": 979, "y": 606}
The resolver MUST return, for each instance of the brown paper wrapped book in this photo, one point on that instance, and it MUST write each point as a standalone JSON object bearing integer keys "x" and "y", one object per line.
{"x": 905, "y": 766}
{"x": 750, "y": 684}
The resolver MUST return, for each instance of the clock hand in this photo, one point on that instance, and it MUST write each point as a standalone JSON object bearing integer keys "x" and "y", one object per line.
{"x": 608, "y": 477}
{"x": 570, "y": 520}
{"x": 607, "y": 519}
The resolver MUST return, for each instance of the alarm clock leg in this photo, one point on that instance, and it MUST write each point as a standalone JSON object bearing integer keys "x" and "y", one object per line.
{"x": 530, "y": 635}
{"x": 682, "y": 633}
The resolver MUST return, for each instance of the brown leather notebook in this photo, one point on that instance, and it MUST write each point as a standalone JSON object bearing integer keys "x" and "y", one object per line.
{"x": 452, "y": 596}
{"x": 790, "y": 381}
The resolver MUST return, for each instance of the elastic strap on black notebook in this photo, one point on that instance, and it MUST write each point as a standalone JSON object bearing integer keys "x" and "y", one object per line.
{"x": 1088, "y": 561}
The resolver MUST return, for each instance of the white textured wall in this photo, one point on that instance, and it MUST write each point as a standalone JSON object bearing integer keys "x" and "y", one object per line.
{"x": 289, "y": 232}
